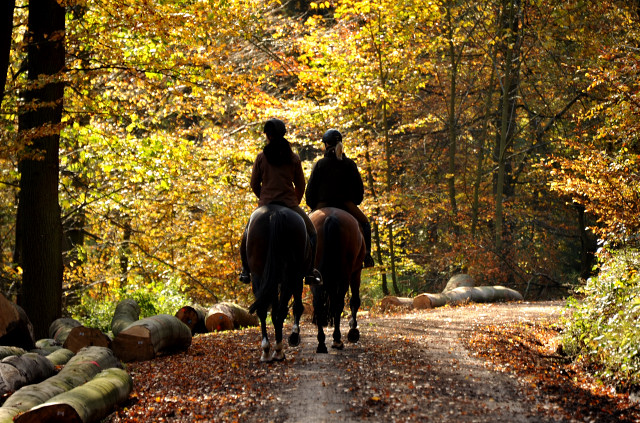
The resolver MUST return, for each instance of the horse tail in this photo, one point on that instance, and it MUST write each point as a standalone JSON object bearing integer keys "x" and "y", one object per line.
{"x": 329, "y": 271}
{"x": 275, "y": 263}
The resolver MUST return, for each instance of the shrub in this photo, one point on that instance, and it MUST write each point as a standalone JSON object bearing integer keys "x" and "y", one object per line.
{"x": 604, "y": 326}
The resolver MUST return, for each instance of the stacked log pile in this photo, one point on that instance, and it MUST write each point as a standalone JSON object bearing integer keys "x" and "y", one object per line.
{"x": 459, "y": 290}
{"x": 219, "y": 317}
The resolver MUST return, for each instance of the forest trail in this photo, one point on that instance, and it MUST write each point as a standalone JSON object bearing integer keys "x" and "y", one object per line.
{"x": 433, "y": 375}
{"x": 471, "y": 363}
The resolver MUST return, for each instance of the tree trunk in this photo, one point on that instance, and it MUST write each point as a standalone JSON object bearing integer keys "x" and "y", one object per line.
{"x": 15, "y": 326}
{"x": 38, "y": 248}
{"x": 228, "y": 316}
{"x": 79, "y": 370}
{"x": 60, "y": 328}
{"x": 87, "y": 403}
{"x": 127, "y": 311}
{"x": 194, "y": 317}
{"x": 19, "y": 370}
{"x": 507, "y": 120}
{"x": 146, "y": 338}
{"x": 6, "y": 32}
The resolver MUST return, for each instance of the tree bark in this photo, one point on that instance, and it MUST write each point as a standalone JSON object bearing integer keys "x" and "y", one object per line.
{"x": 79, "y": 370}
{"x": 17, "y": 371}
{"x": 391, "y": 301}
{"x": 228, "y": 316}
{"x": 6, "y": 32}
{"x": 146, "y": 338}
{"x": 60, "y": 357}
{"x": 38, "y": 248}
{"x": 127, "y": 312}
{"x": 60, "y": 329}
{"x": 87, "y": 403}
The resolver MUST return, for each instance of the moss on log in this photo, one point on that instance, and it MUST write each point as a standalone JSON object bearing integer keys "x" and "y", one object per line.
{"x": 127, "y": 311}
{"x": 147, "y": 338}
{"x": 60, "y": 328}
{"x": 83, "y": 367}
{"x": 87, "y": 403}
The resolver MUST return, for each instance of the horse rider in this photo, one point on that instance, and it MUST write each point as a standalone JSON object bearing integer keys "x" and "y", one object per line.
{"x": 335, "y": 181}
{"x": 277, "y": 178}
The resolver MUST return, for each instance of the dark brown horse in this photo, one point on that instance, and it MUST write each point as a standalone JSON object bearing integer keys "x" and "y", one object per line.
{"x": 278, "y": 252}
{"x": 341, "y": 250}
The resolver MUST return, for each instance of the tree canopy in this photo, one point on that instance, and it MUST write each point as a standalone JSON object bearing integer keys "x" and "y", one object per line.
{"x": 498, "y": 137}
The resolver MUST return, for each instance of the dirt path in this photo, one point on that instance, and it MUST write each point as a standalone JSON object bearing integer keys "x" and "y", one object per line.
{"x": 432, "y": 375}
{"x": 408, "y": 366}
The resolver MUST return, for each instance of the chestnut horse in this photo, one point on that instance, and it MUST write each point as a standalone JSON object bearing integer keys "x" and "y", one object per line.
{"x": 278, "y": 252}
{"x": 339, "y": 258}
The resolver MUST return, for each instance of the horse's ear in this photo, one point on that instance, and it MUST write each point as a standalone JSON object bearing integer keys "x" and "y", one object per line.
{"x": 339, "y": 150}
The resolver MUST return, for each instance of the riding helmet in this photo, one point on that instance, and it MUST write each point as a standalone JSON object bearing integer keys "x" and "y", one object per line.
{"x": 332, "y": 137}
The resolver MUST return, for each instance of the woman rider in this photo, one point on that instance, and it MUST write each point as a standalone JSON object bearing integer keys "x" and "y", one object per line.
{"x": 277, "y": 177}
{"x": 336, "y": 182}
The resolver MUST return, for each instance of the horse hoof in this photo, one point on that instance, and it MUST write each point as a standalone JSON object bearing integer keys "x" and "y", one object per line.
{"x": 322, "y": 349}
{"x": 338, "y": 345}
{"x": 278, "y": 356}
{"x": 294, "y": 339}
{"x": 265, "y": 358}
{"x": 354, "y": 335}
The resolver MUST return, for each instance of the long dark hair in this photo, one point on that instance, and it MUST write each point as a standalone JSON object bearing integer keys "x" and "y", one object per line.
{"x": 278, "y": 151}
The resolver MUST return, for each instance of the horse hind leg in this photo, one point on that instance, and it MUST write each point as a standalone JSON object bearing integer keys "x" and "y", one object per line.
{"x": 265, "y": 345}
{"x": 354, "y": 333}
{"x": 298, "y": 308}
{"x": 337, "y": 336}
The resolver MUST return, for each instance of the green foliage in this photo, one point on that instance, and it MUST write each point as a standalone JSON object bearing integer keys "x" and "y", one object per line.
{"x": 96, "y": 311}
{"x": 603, "y": 327}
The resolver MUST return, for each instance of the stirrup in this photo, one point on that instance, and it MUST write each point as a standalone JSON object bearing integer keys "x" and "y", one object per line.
{"x": 368, "y": 261}
{"x": 313, "y": 279}
{"x": 245, "y": 277}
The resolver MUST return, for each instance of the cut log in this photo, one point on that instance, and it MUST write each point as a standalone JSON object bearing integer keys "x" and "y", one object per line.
{"x": 194, "y": 317}
{"x": 80, "y": 369}
{"x": 228, "y": 316}
{"x": 15, "y": 326}
{"x": 479, "y": 294}
{"x": 60, "y": 328}
{"x": 82, "y": 336}
{"x": 460, "y": 280}
{"x": 17, "y": 371}
{"x": 391, "y": 301}
{"x": 87, "y": 403}
{"x": 147, "y": 338}
{"x": 127, "y": 311}
{"x": 48, "y": 344}
{"x": 6, "y": 351}
{"x": 60, "y": 356}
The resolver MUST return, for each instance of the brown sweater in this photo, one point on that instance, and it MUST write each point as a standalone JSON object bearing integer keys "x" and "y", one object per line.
{"x": 283, "y": 184}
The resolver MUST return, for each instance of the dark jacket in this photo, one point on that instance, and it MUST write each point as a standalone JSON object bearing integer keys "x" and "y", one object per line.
{"x": 283, "y": 183}
{"x": 334, "y": 182}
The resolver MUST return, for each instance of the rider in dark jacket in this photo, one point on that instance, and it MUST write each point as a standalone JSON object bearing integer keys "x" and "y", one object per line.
{"x": 277, "y": 178}
{"x": 335, "y": 181}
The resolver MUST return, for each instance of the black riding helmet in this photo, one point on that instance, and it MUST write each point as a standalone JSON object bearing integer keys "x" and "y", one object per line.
{"x": 332, "y": 137}
{"x": 275, "y": 128}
